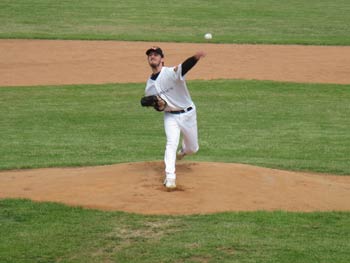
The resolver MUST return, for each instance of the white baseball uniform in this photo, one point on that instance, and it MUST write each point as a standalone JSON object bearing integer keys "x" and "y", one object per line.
{"x": 171, "y": 86}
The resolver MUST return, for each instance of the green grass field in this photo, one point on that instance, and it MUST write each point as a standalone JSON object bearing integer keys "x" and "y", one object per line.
{"x": 279, "y": 125}
{"x": 33, "y": 232}
{"x": 231, "y": 21}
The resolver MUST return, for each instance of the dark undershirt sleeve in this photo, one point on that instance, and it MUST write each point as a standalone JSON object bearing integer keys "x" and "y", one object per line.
{"x": 188, "y": 64}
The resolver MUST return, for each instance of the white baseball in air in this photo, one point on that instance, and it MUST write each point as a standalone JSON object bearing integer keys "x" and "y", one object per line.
{"x": 208, "y": 36}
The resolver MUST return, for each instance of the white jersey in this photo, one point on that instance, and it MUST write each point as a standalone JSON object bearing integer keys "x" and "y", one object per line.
{"x": 171, "y": 86}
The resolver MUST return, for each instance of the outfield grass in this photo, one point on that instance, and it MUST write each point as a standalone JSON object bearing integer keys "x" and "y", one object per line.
{"x": 44, "y": 232}
{"x": 280, "y": 125}
{"x": 230, "y": 21}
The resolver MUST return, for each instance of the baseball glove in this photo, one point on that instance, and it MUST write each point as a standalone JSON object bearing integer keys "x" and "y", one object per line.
{"x": 154, "y": 101}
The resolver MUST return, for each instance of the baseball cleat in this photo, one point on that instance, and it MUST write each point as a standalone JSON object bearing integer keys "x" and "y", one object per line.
{"x": 170, "y": 183}
{"x": 180, "y": 155}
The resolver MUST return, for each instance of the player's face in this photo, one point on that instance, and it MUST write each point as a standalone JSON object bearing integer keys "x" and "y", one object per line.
{"x": 155, "y": 60}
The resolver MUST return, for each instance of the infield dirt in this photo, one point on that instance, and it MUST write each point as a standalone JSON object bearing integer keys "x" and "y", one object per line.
{"x": 202, "y": 187}
{"x": 52, "y": 62}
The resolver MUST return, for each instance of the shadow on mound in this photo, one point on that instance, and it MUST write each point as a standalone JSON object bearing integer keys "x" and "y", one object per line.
{"x": 202, "y": 188}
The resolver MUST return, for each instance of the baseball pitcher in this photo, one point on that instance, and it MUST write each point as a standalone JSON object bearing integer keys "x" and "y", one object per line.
{"x": 166, "y": 91}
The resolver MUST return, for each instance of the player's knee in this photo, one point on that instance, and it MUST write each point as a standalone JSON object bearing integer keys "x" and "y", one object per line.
{"x": 192, "y": 150}
{"x": 172, "y": 146}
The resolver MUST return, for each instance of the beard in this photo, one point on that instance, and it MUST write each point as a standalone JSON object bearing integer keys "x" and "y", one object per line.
{"x": 154, "y": 64}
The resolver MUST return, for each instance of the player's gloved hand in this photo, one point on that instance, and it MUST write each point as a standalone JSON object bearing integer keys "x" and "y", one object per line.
{"x": 154, "y": 101}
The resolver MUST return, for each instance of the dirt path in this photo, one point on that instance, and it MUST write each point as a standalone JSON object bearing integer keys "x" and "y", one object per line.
{"x": 203, "y": 187}
{"x": 41, "y": 62}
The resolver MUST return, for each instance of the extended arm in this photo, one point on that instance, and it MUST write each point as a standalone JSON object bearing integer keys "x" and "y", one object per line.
{"x": 191, "y": 61}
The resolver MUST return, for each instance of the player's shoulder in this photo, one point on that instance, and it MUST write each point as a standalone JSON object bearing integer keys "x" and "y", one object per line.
{"x": 177, "y": 68}
{"x": 173, "y": 69}
{"x": 169, "y": 70}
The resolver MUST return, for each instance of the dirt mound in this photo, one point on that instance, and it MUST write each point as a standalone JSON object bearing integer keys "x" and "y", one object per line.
{"x": 202, "y": 188}
{"x": 55, "y": 62}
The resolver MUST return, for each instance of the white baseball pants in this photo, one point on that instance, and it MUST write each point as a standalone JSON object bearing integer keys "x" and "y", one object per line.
{"x": 175, "y": 124}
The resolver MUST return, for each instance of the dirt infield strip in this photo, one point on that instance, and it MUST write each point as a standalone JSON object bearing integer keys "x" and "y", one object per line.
{"x": 202, "y": 187}
{"x": 44, "y": 62}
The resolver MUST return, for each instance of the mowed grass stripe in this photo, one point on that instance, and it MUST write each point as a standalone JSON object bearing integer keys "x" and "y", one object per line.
{"x": 280, "y": 125}
{"x": 230, "y": 21}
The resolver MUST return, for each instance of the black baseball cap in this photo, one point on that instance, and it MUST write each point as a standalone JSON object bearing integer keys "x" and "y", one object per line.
{"x": 157, "y": 50}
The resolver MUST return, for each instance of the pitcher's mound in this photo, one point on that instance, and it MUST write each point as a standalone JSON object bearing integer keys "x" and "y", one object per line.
{"x": 202, "y": 188}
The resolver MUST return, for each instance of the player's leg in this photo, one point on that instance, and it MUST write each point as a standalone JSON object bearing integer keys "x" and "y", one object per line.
{"x": 188, "y": 126}
{"x": 172, "y": 131}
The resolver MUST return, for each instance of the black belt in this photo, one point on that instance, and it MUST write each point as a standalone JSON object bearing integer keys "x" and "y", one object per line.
{"x": 181, "y": 111}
